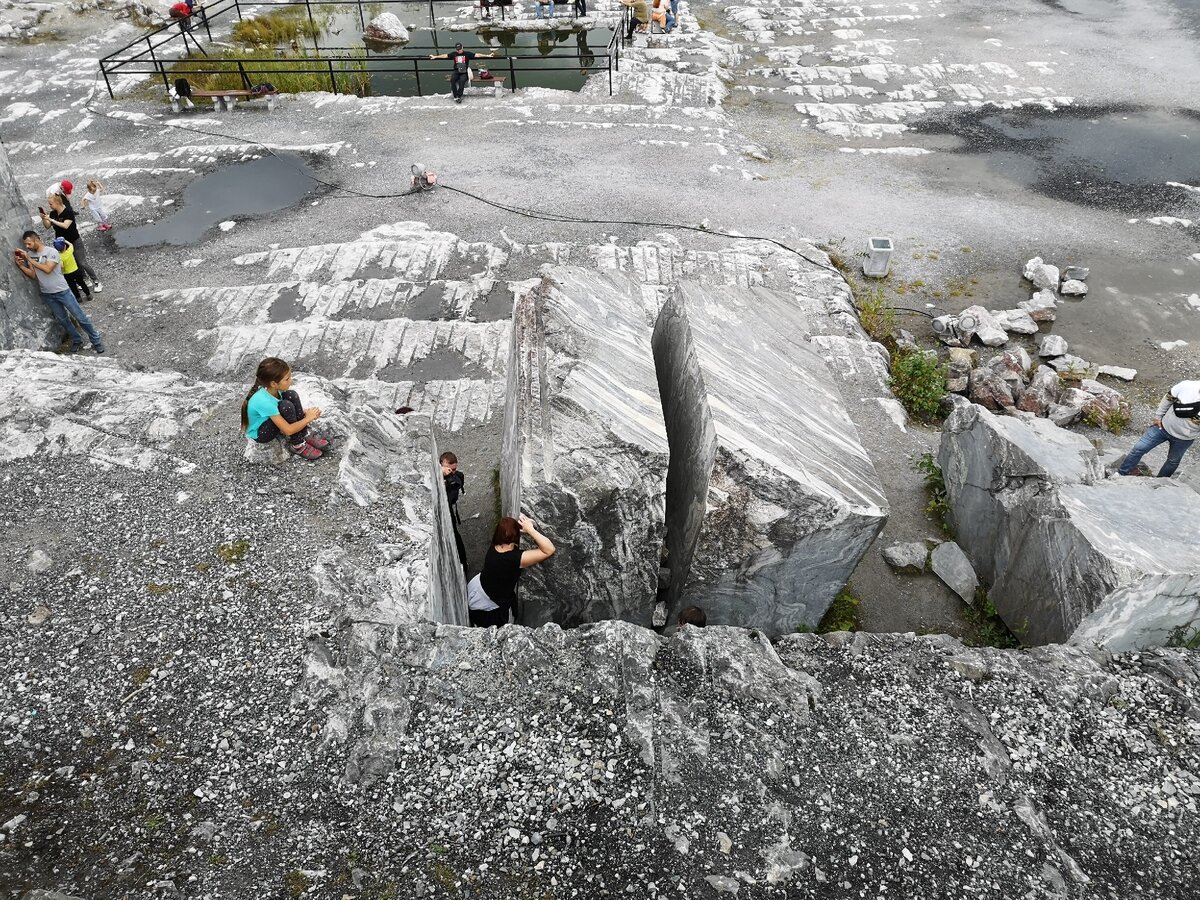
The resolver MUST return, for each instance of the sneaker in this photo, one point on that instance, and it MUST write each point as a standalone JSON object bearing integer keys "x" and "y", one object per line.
{"x": 75, "y": 348}
{"x": 97, "y": 287}
{"x": 104, "y": 226}
{"x": 86, "y": 298}
{"x": 99, "y": 348}
{"x": 458, "y": 99}
{"x": 304, "y": 451}
{"x": 319, "y": 442}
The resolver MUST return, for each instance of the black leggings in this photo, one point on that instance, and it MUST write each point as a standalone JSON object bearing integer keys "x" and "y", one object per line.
{"x": 292, "y": 411}
{"x": 486, "y": 618}
{"x": 78, "y": 285}
{"x": 458, "y": 82}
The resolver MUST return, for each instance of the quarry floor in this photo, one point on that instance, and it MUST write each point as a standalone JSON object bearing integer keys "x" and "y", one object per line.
{"x": 715, "y": 125}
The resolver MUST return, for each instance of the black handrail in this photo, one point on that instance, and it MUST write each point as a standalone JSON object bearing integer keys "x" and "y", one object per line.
{"x": 170, "y": 32}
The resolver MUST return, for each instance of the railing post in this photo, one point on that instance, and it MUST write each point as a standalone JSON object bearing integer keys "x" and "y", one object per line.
{"x": 432, "y": 20}
{"x": 162, "y": 70}
{"x": 238, "y": 6}
{"x": 512, "y": 75}
{"x": 332, "y": 78}
{"x": 312, "y": 24}
{"x": 107, "y": 84}
{"x": 610, "y": 65}
{"x": 417, "y": 73}
{"x": 362, "y": 23}
{"x": 204, "y": 22}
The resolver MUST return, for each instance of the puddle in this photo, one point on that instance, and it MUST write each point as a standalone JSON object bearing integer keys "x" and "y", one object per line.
{"x": 1117, "y": 159}
{"x": 250, "y": 188}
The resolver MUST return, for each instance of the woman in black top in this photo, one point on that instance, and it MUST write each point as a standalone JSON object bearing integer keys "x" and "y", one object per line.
{"x": 62, "y": 219}
{"x": 493, "y": 592}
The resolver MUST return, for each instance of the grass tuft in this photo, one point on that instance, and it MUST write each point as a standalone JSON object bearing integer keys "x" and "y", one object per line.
{"x": 919, "y": 382}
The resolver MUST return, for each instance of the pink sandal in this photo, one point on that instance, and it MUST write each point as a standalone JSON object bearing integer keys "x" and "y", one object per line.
{"x": 319, "y": 442}
{"x": 304, "y": 451}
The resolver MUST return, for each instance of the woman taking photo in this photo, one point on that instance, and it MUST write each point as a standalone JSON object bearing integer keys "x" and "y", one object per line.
{"x": 493, "y": 592}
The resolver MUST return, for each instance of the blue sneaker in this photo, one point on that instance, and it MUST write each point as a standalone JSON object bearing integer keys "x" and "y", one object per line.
{"x": 99, "y": 348}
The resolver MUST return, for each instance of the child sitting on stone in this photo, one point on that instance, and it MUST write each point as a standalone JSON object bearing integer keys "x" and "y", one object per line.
{"x": 273, "y": 410}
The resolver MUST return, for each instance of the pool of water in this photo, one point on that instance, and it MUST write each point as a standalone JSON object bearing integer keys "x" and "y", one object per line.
{"x": 250, "y": 188}
{"x": 1129, "y": 160}
{"x": 561, "y": 57}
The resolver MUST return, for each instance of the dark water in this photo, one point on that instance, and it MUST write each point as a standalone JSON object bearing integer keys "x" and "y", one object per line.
{"x": 244, "y": 189}
{"x": 1115, "y": 158}
{"x": 560, "y": 58}
{"x": 550, "y": 59}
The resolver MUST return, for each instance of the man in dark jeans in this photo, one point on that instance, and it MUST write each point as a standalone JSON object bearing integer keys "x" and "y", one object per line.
{"x": 462, "y": 68}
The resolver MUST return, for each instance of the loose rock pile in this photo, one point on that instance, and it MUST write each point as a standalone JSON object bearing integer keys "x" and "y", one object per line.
{"x": 1060, "y": 386}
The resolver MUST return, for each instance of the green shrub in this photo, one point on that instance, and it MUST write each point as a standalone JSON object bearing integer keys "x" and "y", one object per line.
{"x": 221, "y": 72}
{"x": 937, "y": 507}
{"x": 988, "y": 629}
{"x": 876, "y": 314}
{"x": 842, "y": 615}
{"x": 919, "y": 383}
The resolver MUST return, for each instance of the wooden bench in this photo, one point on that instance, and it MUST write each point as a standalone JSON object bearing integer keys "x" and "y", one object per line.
{"x": 497, "y": 82}
{"x": 226, "y": 100}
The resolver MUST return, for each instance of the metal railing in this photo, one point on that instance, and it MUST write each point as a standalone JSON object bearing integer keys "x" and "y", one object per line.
{"x": 155, "y": 53}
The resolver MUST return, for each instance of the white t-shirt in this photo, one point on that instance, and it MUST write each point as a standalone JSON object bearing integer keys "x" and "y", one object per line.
{"x": 477, "y": 598}
{"x": 53, "y": 282}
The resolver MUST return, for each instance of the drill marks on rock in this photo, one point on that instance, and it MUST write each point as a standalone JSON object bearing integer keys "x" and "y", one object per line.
{"x": 409, "y": 250}
{"x": 387, "y": 350}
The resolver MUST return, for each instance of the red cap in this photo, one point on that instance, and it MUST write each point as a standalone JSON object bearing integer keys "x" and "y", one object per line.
{"x": 67, "y": 186}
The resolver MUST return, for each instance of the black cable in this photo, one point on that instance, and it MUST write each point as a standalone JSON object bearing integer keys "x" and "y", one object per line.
{"x": 514, "y": 210}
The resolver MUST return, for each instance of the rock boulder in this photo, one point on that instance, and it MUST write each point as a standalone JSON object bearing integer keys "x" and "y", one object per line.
{"x": 585, "y": 450}
{"x": 1067, "y": 554}
{"x": 1043, "y": 275}
{"x": 386, "y": 28}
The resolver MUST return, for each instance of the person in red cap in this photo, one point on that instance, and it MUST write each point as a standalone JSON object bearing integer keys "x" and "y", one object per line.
{"x": 182, "y": 13}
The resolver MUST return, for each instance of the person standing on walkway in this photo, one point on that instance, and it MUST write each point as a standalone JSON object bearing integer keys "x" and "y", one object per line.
{"x": 62, "y": 219}
{"x": 39, "y": 261}
{"x": 1176, "y": 422}
{"x": 461, "y": 73}
{"x": 492, "y": 594}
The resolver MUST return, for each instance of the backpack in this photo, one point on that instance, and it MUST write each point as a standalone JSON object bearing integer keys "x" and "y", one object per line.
{"x": 182, "y": 88}
{"x": 1185, "y": 410}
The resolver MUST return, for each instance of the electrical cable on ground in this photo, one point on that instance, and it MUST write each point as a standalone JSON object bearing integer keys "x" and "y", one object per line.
{"x": 529, "y": 213}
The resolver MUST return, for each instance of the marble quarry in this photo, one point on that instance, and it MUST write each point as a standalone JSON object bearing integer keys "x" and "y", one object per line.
{"x": 706, "y": 435}
{"x": 585, "y": 450}
{"x": 771, "y": 498}
{"x": 1069, "y": 554}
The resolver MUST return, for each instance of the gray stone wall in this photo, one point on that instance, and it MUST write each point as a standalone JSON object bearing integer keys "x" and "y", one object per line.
{"x": 692, "y": 438}
{"x": 25, "y": 321}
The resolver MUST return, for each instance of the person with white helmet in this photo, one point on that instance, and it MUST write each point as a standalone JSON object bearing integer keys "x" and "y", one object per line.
{"x": 1176, "y": 422}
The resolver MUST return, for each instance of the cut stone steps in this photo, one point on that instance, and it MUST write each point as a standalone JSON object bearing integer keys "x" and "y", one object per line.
{"x": 393, "y": 350}
{"x": 375, "y": 299}
{"x": 408, "y": 250}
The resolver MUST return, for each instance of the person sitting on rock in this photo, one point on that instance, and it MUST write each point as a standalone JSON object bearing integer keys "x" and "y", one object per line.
{"x": 639, "y": 19}
{"x": 540, "y": 5}
{"x": 273, "y": 410}
{"x": 1176, "y": 422}
{"x": 692, "y": 615}
{"x": 493, "y": 592}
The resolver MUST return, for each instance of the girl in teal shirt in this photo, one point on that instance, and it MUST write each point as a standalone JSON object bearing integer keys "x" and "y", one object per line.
{"x": 273, "y": 410}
